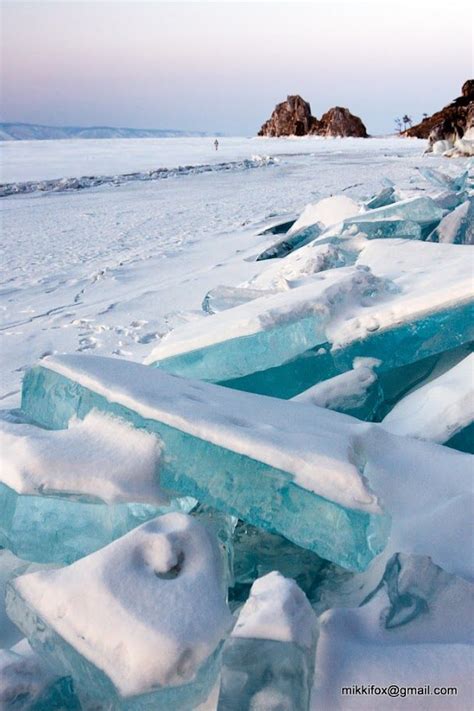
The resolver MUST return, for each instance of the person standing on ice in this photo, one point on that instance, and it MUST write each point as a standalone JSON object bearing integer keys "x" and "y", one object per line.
{"x": 216, "y": 144}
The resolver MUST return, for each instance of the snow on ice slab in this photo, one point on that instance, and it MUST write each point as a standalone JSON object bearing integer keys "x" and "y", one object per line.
{"x": 415, "y": 631}
{"x": 416, "y": 294}
{"x": 355, "y": 392}
{"x": 100, "y": 458}
{"x": 327, "y": 211}
{"x": 70, "y": 529}
{"x": 267, "y": 331}
{"x": 145, "y": 630}
{"x": 218, "y": 443}
{"x": 268, "y": 661}
{"x": 310, "y": 259}
{"x": 438, "y": 410}
{"x": 82, "y": 487}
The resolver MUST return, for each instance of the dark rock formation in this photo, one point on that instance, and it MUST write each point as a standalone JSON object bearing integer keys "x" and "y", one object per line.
{"x": 340, "y": 122}
{"x": 449, "y": 123}
{"x": 290, "y": 118}
{"x": 293, "y": 118}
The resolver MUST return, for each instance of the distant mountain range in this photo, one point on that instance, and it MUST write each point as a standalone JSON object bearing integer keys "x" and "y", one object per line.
{"x": 36, "y": 132}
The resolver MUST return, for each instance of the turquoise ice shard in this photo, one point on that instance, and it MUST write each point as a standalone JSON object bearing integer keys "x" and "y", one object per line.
{"x": 383, "y": 228}
{"x": 146, "y": 630}
{"x": 287, "y": 467}
{"x": 69, "y": 529}
{"x": 422, "y": 210}
{"x": 415, "y": 631}
{"x": 268, "y": 331}
{"x": 283, "y": 344}
{"x": 385, "y": 197}
{"x": 291, "y": 242}
{"x": 268, "y": 661}
{"x": 439, "y": 409}
{"x": 82, "y": 487}
{"x": 356, "y": 392}
{"x": 441, "y": 180}
{"x": 457, "y": 227}
{"x": 222, "y": 298}
{"x": 10, "y": 567}
{"x": 27, "y": 684}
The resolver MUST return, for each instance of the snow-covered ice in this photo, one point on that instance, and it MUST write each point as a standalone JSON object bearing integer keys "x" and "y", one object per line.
{"x": 438, "y": 410}
{"x": 100, "y": 458}
{"x": 268, "y": 661}
{"x": 119, "y": 245}
{"x": 151, "y": 621}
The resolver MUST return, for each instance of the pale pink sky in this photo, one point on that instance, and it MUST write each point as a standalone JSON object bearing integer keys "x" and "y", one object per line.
{"x": 224, "y": 65}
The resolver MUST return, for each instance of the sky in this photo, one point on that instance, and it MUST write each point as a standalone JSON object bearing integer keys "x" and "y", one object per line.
{"x": 222, "y": 66}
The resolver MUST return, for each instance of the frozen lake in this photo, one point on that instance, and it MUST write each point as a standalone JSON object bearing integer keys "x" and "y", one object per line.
{"x": 109, "y": 270}
{"x": 45, "y": 160}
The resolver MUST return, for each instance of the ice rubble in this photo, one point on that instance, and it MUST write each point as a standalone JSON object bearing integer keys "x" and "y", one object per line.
{"x": 366, "y": 319}
{"x": 309, "y": 225}
{"x": 268, "y": 661}
{"x": 217, "y": 443}
{"x": 438, "y": 410}
{"x": 398, "y": 291}
{"x": 160, "y": 588}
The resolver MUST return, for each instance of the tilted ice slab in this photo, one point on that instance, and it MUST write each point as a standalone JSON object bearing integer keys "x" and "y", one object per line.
{"x": 267, "y": 331}
{"x": 138, "y": 624}
{"x": 416, "y": 294}
{"x": 415, "y": 631}
{"x": 385, "y": 197}
{"x": 290, "y": 468}
{"x": 438, "y": 410}
{"x": 436, "y": 177}
{"x": 82, "y": 487}
{"x": 268, "y": 661}
{"x": 70, "y": 529}
{"x": 355, "y": 392}
{"x": 98, "y": 459}
{"x": 457, "y": 227}
{"x": 291, "y": 242}
{"x": 327, "y": 211}
{"x": 422, "y": 210}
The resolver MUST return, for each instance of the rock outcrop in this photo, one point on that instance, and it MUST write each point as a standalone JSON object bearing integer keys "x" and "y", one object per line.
{"x": 293, "y": 118}
{"x": 340, "y": 122}
{"x": 451, "y": 122}
{"x": 290, "y": 118}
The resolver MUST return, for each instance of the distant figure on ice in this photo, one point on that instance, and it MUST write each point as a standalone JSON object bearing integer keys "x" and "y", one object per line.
{"x": 216, "y": 144}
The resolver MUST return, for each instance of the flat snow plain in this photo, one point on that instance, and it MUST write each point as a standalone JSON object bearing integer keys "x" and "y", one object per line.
{"x": 109, "y": 270}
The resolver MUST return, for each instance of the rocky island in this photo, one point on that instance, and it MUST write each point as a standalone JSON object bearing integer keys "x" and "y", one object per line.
{"x": 293, "y": 118}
